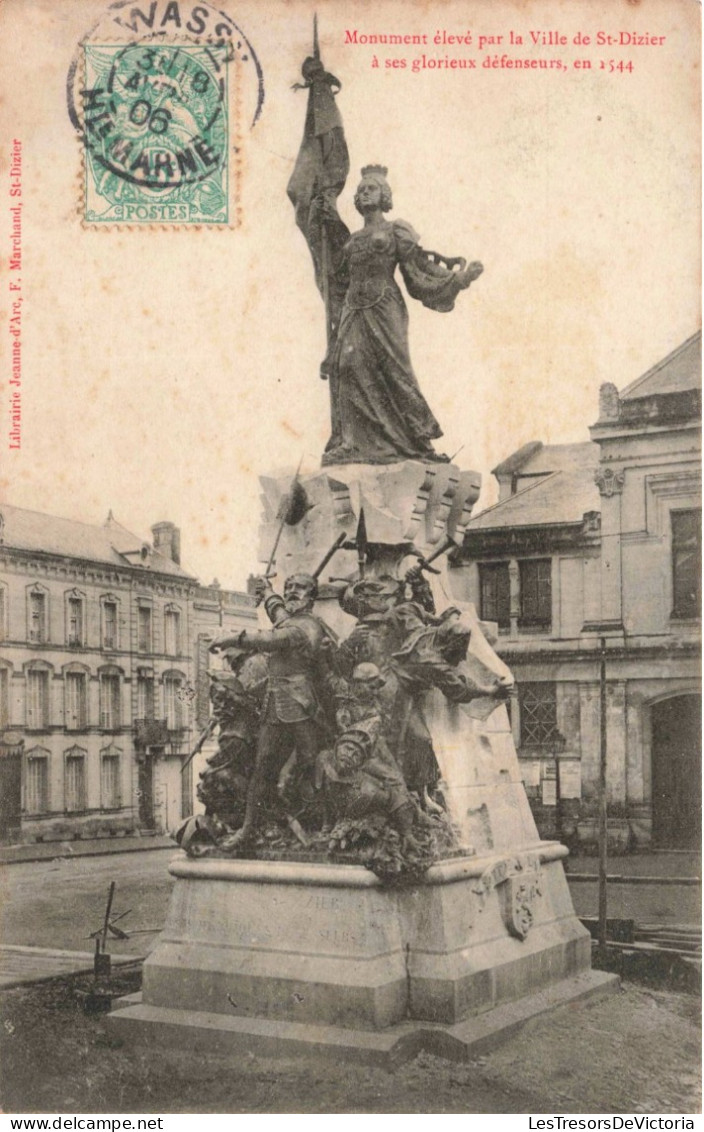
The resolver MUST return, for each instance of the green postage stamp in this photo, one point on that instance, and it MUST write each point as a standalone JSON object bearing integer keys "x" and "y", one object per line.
{"x": 156, "y": 133}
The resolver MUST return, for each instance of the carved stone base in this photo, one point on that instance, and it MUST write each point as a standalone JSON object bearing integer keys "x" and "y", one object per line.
{"x": 205, "y": 1033}
{"x": 323, "y": 956}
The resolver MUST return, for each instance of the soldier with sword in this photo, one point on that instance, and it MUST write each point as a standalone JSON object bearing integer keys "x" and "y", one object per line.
{"x": 297, "y": 713}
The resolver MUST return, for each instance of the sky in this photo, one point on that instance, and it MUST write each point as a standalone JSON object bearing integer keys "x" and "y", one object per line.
{"x": 164, "y": 370}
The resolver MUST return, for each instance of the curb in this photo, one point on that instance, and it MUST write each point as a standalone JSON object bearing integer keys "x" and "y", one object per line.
{"x": 51, "y": 850}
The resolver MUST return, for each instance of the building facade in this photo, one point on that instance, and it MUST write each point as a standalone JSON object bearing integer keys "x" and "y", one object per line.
{"x": 590, "y": 566}
{"x": 101, "y": 658}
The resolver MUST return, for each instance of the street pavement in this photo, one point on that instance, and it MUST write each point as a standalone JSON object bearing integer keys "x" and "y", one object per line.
{"x": 60, "y": 901}
{"x": 664, "y": 903}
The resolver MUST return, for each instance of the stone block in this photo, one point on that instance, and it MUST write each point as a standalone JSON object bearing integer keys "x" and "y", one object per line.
{"x": 275, "y": 947}
{"x": 350, "y": 968}
{"x": 204, "y": 1034}
{"x": 408, "y": 502}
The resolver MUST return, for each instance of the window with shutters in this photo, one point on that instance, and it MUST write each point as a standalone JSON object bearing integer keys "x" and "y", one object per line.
{"x": 110, "y": 689}
{"x": 535, "y": 580}
{"x": 76, "y": 701}
{"x": 5, "y": 676}
{"x": 495, "y": 598}
{"x": 172, "y": 632}
{"x": 37, "y": 699}
{"x": 36, "y": 792}
{"x": 109, "y": 612}
{"x": 75, "y": 780}
{"x": 144, "y": 628}
{"x": 686, "y": 528}
{"x": 37, "y": 617}
{"x": 173, "y": 707}
{"x": 145, "y": 697}
{"x": 110, "y": 792}
{"x": 75, "y": 619}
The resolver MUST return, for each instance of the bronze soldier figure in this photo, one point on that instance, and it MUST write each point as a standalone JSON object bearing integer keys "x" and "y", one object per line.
{"x": 293, "y": 718}
{"x": 360, "y": 778}
{"x": 236, "y": 699}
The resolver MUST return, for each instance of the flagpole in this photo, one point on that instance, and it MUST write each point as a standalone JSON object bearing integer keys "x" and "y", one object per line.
{"x": 324, "y": 250}
{"x": 318, "y": 177}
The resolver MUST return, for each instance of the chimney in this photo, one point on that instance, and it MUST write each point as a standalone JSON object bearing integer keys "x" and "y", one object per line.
{"x": 608, "y": 402}
{"x": 167, "y": 540}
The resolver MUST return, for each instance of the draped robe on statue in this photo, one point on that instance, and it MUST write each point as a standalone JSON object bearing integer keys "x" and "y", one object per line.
{"x": 379, "y": 413}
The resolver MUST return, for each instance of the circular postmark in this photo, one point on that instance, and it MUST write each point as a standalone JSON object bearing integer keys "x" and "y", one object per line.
{"x": 156, "y": 116}
{"x": 157, "y": 94}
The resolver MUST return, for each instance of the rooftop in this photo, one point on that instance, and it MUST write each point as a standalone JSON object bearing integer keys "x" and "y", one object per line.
{"x": 678, "y": 372}
{"x": 562, "y": 492}
{"x": 537, "y": 458}
{"x": 109, "y": 543}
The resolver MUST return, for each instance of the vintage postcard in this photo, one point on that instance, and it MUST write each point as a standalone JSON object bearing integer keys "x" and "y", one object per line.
{"x": 350, "y": 532}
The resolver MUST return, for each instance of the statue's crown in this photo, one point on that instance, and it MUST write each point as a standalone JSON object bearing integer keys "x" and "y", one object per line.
{"x": 374, "y": 169}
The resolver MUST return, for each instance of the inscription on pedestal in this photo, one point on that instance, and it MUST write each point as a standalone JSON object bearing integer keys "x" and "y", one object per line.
{"x": 342, "y": 937}
{"x": 322, "y": 902}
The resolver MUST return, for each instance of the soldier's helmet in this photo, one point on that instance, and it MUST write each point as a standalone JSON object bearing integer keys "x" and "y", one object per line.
{"x": 369, "y": 597}
{"x": 363, "y": 734}
{"x": 353, "y": 746}
{"x": 367, "y": 675}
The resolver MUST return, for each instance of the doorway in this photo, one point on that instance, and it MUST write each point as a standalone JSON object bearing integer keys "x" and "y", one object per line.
{"x": 677, "y": 770}
{"x": 145, "y": 786}
{"x": 10, "y": 787}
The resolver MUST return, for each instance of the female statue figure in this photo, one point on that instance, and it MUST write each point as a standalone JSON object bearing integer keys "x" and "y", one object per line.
{"x": 379, "y": 414}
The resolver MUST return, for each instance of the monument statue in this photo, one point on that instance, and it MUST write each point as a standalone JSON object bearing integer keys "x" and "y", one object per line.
{"x": 415, "y": 651}
{"x": 378, "y": 412}
{"x": 336, "y": 754}
{"x": 373, "y": 882}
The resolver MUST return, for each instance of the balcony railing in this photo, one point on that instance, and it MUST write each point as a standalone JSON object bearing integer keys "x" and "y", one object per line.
{"x": 150, "y": 733}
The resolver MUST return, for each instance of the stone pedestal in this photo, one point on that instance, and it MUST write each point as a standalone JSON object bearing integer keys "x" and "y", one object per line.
{"x": 406, "y": 506}
{"x": 404, "y": 503}
{"x": 279, "y": 958}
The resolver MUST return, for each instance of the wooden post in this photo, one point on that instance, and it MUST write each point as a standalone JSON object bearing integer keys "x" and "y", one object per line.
{"x": 558, "y": 794}
{"x": 101, "y": 961}
{"x": 108, "y": 910}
